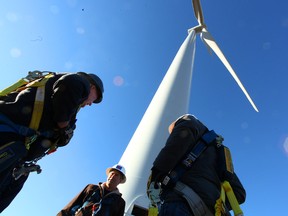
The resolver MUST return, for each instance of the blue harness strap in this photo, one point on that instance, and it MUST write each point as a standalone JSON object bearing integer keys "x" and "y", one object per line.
{"x": 207, "y": 139}
{"x": 6, "y": 125}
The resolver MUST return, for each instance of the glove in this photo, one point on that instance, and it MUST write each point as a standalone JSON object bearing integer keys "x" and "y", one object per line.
{"x": 153, "y": 193}
{"x": 153, "y": 190}
{"x": 65, "y": 135}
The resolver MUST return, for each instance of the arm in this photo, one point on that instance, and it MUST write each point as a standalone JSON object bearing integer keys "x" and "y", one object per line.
{"x": 238, "y": 189}
{"x": 68, "y": 94}
{"x": 120, "y": 207}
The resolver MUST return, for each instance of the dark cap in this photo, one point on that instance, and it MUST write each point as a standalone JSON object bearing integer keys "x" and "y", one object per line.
{"x": 97, "y": 82}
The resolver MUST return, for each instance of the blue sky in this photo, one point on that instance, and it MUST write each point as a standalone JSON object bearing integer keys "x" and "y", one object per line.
{"x": 130, "y": 45}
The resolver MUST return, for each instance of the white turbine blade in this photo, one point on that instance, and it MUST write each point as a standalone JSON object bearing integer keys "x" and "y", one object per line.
{"x": 210, "y": 42}
{"x": 198, "y": 11}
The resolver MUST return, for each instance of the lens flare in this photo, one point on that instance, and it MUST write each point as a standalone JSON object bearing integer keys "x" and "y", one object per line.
{"x": 285, "y": 145}
{"x": 118, "y": 81}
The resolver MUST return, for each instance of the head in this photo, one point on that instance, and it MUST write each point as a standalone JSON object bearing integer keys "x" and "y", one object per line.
{"x": 96, "y": 87}
{"x": 115, "y": 175}
{"x": 186, "y": 117}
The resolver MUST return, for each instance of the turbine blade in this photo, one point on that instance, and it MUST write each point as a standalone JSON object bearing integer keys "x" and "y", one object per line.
{"x": 198, "y": 11}
{"x": 210, "y": 42}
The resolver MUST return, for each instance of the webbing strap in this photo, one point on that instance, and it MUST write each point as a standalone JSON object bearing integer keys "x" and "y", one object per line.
{"x": 9, "y": 126}
{"x": 153, "y": 211}
{"x": 232, "y": 199}
{"x": 219, "y": 205}
{"x": 13, "y": 87}
{"x": 207, "y": 139}
{"x": 38, "y": 108}
{"x": 202, "y": 144}
{"x": 196, "y": 204}
{"x": 39, "y": 100}
{"x": 227, "y": 191}
{"x": 38, "y": 104}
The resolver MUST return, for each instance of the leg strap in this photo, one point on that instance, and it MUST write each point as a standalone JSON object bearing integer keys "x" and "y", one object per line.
{"x": 196, "y": 204}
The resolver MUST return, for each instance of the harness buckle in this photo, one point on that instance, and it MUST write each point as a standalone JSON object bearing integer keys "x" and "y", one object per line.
{"x": 25, "y": 169}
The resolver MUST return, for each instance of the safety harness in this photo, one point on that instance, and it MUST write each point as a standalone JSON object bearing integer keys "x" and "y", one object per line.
{"x": 197, "y": 205}
{"x": 97, "y": 198}
{"x": 36, "y": 79}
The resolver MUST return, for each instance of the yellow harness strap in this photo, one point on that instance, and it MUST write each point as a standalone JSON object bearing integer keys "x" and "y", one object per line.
{"x": 152, "y": 211}
{"x": 226, "y": 190}
{"x": 39, "y": 101}
{"x": 13, "y": 87}
{"x": 38, "y": 104}
{"x": 232, "y": 199}
{"x": 219, "y": 206}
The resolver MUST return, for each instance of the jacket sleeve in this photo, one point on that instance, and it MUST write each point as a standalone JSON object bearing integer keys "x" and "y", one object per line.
{"x": 121, "y": 207}
{"x": 238, "y": 189}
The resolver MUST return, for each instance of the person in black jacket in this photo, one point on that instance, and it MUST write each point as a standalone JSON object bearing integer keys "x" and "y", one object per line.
{"x": 63, "y": 95}
{"x": 103, "y": 199}
{"x": 201, "y": 180}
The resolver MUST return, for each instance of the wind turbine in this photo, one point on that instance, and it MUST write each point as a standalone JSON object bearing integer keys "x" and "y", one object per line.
{"x": 169, "y": 102}
{"x": 211, "y": 44}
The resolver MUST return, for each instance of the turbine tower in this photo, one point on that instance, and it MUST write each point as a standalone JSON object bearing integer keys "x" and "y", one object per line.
{"x": 169, "y": 102}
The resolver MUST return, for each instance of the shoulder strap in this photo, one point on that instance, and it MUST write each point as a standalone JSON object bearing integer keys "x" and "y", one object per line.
{"x": 38, "y": 104}
{"x": 39, "y": 100}
{"x": 190, "y": 157}
{"x": 13, "y": 87}
{"x": 32, "y": 75}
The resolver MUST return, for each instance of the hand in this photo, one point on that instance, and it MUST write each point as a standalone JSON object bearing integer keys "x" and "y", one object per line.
{"x": 65, "y": 135}
{"x": 153, "y": 193}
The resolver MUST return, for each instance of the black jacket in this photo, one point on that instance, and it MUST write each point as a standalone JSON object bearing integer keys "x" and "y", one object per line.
{"x": 112, "y": 202}
{"x": 64, "y": 93}
{"x": 202, "y": 177}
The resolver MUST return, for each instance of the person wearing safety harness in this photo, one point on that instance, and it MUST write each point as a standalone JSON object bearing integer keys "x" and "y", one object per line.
{"x": 38, "y": 118}
{"x": 102, "y": 199}
{"x": 188, "y": 175}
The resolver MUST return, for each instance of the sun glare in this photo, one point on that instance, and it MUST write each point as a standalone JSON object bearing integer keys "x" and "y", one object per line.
{"x": 285, "y": 145}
